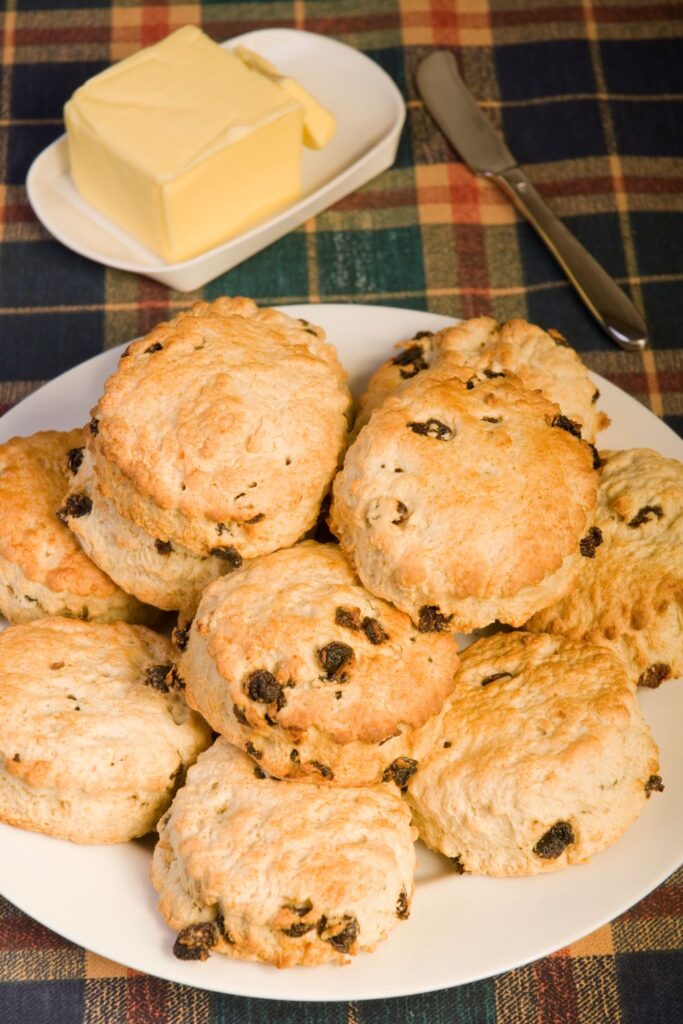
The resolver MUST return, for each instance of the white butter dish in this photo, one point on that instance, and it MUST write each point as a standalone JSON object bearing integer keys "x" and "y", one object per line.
{"x": 369, "y": 111}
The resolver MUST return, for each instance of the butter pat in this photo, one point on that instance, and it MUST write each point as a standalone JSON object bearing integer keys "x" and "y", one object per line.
{"x": 184, "y": 145}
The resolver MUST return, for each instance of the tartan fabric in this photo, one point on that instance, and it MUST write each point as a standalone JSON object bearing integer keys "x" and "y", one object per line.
{"x": 589, "y": 94}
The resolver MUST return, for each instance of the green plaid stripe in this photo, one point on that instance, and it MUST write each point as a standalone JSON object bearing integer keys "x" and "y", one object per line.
{"x": 589, "y": 94}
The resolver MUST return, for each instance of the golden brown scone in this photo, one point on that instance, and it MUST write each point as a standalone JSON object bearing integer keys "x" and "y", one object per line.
{"x": 222, "y": 429}
{"x": 296, "y": 663}
{"x": 544, "y": 758}
{"x": 465, "y": 501}
{"x": 541, "y": 359}
{"x": 43, "y": 570}
{"x": 92, "y": 742}
{"x": 630, "y": 594}
{"x": 162, "y": 573}
{"x": 260, "y": 870}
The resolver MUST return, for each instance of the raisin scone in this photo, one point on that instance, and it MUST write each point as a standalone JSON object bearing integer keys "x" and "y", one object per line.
{"x": 296, "y": 663}
{"x": 630, "y": 595}
{"x": 43, "y": 570}
{"x": 218, "y": 434}
{"x": 541, "y": 359}
{"x": 544, "y": 757}
{"x": 466, "y": 500}
{"x": 92, "y": 741}
{"x": 261, "y": 870}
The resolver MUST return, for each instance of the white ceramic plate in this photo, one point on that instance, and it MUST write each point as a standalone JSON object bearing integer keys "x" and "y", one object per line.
{"x": 461, "y": 927}
{"x": 370, "y": 113}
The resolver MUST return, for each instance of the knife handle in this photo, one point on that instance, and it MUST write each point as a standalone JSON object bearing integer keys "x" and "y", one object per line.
{"x": 603, "y": 297}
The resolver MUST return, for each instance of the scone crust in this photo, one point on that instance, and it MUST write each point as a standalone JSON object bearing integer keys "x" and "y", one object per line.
{"x": 630, "y": 595}
{"x": 243, "y": 452}
{"x": 542, "y": 734}
{"x": 482, "y": 518}
{"x": 90, "y": 749}
{"x": 541, "y": 359}
{"x": 162, "y": 573}
{"x": 42, "y": 567}
{"x": 287, "y": 868}
{"x": 355, "y": 686}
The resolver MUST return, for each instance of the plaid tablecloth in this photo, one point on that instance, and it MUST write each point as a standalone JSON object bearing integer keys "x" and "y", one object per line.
{"x": 589, "y": 94}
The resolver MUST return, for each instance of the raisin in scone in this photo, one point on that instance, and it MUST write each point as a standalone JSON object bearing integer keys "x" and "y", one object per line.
{"x": 218, "y": 434}
{"x": 261, "y": 870}
{"x": 296, "y": 663}
{"x": 464, "y": 501}
{"x": 541, "y": 359}
{"x": 92, "y": 741}
{"x": 43, "y": 570}
{"x": 544, "y": 758}
{"x": 630, "y": 594}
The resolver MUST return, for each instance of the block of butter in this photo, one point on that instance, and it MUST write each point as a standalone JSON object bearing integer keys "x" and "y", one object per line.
{"x": 186, "y": 144}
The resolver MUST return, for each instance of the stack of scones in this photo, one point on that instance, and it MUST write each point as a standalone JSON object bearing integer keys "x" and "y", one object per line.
{"x": 317, "y": 708}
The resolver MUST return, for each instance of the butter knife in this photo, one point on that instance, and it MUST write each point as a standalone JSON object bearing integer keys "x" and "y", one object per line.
{"x": 467, "y": 129}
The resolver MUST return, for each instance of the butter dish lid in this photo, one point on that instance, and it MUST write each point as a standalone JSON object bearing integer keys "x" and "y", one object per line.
{"x": 210, "y": 94}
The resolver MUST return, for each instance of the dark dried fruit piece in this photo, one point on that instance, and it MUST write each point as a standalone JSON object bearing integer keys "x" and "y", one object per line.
{"x": 298, "y": 929}
{"x": 402, "y": 513}
{"x": 645, "y": 514}
{"x": 400, "y": 771}
{"x": 411, "y": 361}
{"x": 76, "y": 506}
{"x": 74, "y": 458}
{"x": 447, "y": 744}
{"x": 344, "y": 939}
{"x": 654, "y": 675}
{"x": 180, "y": 637}
{"x": 300, "y": 909}
{"x": 431, "y": 620}
{"x": 491, "y": 374}
{"x": 589, "y": 543}
{"x": 156, "y": 347}
{"x": 253, "y": 752}
{"x": 458, "y": 865}
{"x": 349, "y": 618}
{"x": 263, "y": 687}
{"x": 326, "y": 772}
{"x": 294, "y": 756}
{"x": 564, "y": 423}
{"x": 94, "y": 426}
{"x": 597, "y": 461}
{"x": 176, "y": 681}
{"x": 228, "y": 554}
{"x": 155, "y": 676}
{"x": 402, "y": 905}
{"x": 240, "y": 714}
{"x": 375, "y": 633}
{"x": 433, "y": 428}
{"x": 196, "y": 941}
{"x": 555, "y": 841}
{"x": 470, "y": 384}
{"x": 256, "y": 519}
{"x": 333, "y": 657}
{"x": 496, "y": 675}
{"x": 492, "y": 419}
{"x": 654, "y": 784}
{"x": 225, "y": 934}
{"x": 164, "y": 547}
{"x": 423, "y": 334}
{"x": 259, "y": 772}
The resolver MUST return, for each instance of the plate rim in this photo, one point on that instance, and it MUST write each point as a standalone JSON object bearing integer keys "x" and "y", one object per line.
{"x": 405, "y": 988}
{"x": 34, "y": 179}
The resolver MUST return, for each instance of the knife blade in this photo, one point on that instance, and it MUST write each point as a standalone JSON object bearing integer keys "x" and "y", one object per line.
{"x": 461, "y": 120}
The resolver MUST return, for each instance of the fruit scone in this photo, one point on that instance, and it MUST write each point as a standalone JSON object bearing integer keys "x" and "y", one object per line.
{"x": 43, "y": 570}
{"x": 630, "y": 595}
{"x": 544, "y": 757}
{"x": 215, "y": 441}
{"x": 296, "y": 663}
{"x": 541, "y": 359}
{"x": 287, "y": 874}
{"x": 466, "y": 499}
{"x": 93, "y": 743}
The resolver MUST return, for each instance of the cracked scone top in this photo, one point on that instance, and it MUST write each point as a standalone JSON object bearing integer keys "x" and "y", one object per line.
{"x": 262, "y": 870}
{"x": 543, "y": 760}
{"x": 92, "y": 744}
{"x": 43, "y": 570}
{"x": 541, "y": 359}
{"x": 296, "y": 663}
{"x": 630, "y": 595}
{"x": 222, "y": 429}
{"x": 465, "y": 499}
